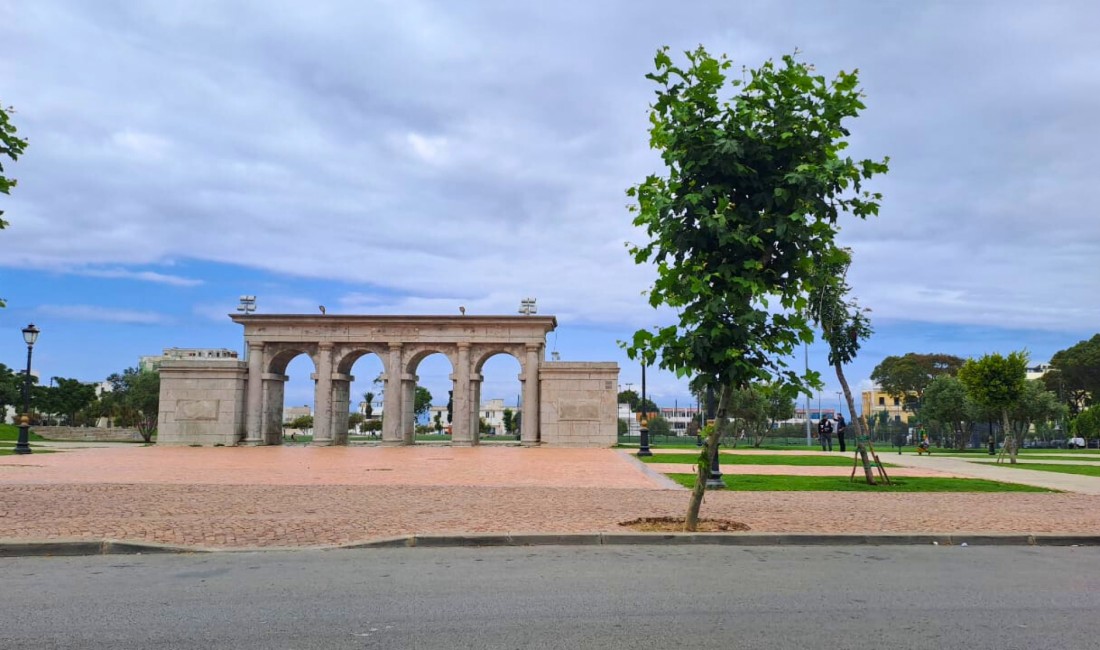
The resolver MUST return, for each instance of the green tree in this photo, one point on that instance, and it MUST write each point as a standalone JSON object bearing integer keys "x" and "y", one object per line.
{"x": 1075, "y": 374}
{"x": 422, "y": 402}
{"x": 844, "y": 326}
{"x": 509, "y": 421}
{"x": 634, "y": 400}
{"x": 996, "y": 383}
{"x": 355, "y": 420}
{"x": 134, "y": 400}
{"x": 71, "y": 396}
{"x": 1035, "y": 406}
{"x": 1086, "y": 424}
{"x": 659, "y": 426}
{"x": 11, "y": 146}
{"x": 624, "y": 426}
{"x": 947, "y": 404}
{"x": 450, "y": 405}
{"x": 753, "y": 191}
{"x": 11, "y": 386}
{"x": 906, "y": 377}
{"x": 368, "y": 404}
{"x": 301, "y": 423}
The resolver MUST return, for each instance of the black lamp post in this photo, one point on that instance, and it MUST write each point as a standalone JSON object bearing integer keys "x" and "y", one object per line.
{"x": 22, "y": 446}
{"x": 643, "y": 442}
{"x": 714, "y": 479}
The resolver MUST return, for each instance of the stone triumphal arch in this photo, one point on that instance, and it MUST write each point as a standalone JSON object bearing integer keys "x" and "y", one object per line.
{"x": 230, "y": 403}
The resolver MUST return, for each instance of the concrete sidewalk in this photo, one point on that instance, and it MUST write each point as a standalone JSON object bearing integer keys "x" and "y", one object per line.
{"x": 975, "y": 469}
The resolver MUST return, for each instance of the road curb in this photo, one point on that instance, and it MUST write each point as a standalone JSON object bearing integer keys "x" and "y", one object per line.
{"x": 71, "y": 548}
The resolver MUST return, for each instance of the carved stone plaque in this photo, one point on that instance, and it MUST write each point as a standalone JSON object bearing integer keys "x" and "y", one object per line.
{"x": 580, "y": 410}
{"x": 196, "y": 409}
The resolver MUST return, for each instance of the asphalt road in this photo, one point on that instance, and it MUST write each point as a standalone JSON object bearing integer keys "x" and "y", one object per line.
{"x": 560, "y": 597}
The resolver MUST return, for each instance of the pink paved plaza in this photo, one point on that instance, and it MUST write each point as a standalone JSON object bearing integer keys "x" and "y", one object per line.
{"x": 307, "y": 496}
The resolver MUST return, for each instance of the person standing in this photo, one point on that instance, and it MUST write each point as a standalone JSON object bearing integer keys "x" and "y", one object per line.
{"x": 841, "y": 427}
{"x": 825, "y": 432}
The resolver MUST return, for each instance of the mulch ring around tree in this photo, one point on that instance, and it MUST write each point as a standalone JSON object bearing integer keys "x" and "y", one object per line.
{"x": 676, "y": 525}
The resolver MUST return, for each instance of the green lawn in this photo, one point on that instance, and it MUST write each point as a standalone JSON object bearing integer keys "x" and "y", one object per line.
{"x": 7, "y": 451}
{"x": 11, "y": 432}
{"x": 763, "y": 483}
{"x": 758, "y": 459}
{"x": 1083, "y": 470}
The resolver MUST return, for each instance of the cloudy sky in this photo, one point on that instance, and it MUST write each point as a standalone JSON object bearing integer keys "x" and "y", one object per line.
{"x": 390, "y": 157}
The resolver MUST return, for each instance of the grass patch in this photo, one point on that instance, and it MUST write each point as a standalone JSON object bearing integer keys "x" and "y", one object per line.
{"x": 762, "y": 483}
{"x": 758, "y": 459}
{"x": 8, "y": 451}
{"x": 11, "y": 432}
{"x": 1083, "y": 470}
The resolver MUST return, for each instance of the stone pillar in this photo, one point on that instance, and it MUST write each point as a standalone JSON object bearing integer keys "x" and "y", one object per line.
{"x": 391, "y": 405}
{"x": 461, "y": 435}
{"x": 341, "y": 403}
{"x": 322, "y": 397}
{"x": 475, "y": 408}
{"x": 408, "y": 409}
{"x": 529, "y": 424}
{"x": 255, "y": 401}
{"x": 272, "y": 429}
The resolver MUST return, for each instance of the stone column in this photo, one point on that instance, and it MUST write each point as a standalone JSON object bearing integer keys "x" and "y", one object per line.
{"x": 341, "y": 403}
{"x": 529, "y": 424}
{"x": 408, "y": 409}
{"x": 475, "y": 407}
{"x": 272, "y": 430}
{"x": 322, "y": 397}
{"x": 391, "y": 405}
{"x": 255, "y": 409}
{"x": 461, "y": 435}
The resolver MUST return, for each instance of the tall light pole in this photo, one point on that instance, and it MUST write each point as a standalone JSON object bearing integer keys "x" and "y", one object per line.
{"x": 22, "y": 445}
{"x": 643, "y": 442}
{"x": 806, "y": 353}
{"x": 246, "y": 307}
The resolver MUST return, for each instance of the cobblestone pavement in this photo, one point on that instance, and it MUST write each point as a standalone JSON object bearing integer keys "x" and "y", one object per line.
{"x": 271, "y": 497}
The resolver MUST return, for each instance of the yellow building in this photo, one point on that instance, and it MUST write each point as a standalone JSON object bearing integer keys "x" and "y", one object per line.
{"x": 876, "y": 401}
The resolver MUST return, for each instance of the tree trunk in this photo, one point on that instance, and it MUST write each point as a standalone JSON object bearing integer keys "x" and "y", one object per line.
{"x": 1010, "y": 437}
{"x": 710, "y": 449}
{"x": 853, "y": 426}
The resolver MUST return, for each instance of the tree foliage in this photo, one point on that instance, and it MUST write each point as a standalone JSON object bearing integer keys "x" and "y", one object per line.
{"x": 754, "y": 187}
{"x": 422, "y": 402}
{"x": 65, "y": 398}
{"x": 996, "y": 383}
{"x": 1075, "y": 374}
{"x": 11, "y": 388}
{"x": 11, "y": 147}
{"x": 906, "y": 377}
{"x": 659, "y": 426}
{"x": 134, "y": 400}
{"x": 947, "y": 404}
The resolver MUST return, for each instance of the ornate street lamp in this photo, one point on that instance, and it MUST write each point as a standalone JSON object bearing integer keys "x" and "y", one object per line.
{"x": 643, "y": 443}
{"x": 22, "y": 446}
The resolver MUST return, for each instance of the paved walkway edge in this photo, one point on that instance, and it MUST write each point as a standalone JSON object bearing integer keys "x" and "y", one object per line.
{"x": 67, "y": 548}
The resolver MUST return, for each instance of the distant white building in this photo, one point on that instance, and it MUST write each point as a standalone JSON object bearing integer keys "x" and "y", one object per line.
{"x": 152, "y": 362}
{"x": 491, "y": 412}
{"x": 1037, "y": 371}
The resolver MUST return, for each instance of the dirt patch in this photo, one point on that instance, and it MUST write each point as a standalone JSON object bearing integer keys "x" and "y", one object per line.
{"x": 676, "y": 525}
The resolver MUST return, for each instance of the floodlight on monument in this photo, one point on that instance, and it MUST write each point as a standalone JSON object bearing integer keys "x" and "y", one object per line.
{"x": 527, "y": 307}
{"x": 247, "y": 305}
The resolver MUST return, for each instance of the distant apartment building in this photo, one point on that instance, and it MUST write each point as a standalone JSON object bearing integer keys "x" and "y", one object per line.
{"x": 877, "y": 401}
{"x": 291, "y": 413}
{"x": 1037, "y": 371}
{"x": 152, "y": 362}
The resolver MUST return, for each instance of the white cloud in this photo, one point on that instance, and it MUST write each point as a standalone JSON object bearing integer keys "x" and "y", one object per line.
{"x": 102, "y": 314}
{"x": 143, "y": 276}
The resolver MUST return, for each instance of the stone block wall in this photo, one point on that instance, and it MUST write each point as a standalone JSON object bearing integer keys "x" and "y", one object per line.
{"x": 91, "y": 434}
{"x": 578, "y": 404}
{"x": 202, "y": 402}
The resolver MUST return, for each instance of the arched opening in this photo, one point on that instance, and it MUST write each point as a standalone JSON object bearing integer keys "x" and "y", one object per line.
{"x": 288, "y": 398}
{"x": 498, "y": 397}
{"x": 366, "y": 394}
{"x": 428, "y": 398}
